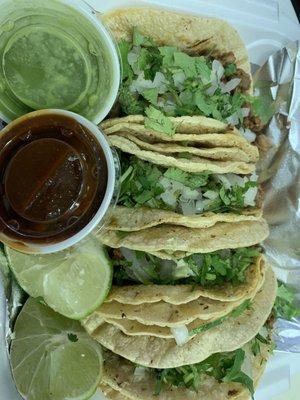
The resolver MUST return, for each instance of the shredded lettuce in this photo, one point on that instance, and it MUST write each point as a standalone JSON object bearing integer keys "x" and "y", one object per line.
{"x": 185, "y": 193}
{"x": 224, "y": 367}
{"x": 207, "y": 270}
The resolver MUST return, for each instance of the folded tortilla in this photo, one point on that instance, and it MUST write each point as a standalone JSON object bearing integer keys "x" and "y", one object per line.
{"x": 137, "y": 218}
{"x": 163, "y": 240}
{"x": 186, "y": 124}
{"x": 194, "y": 164}
{"x": 177, "y": 149}
{"x": 229, "y": 145}
{"x": 194, "y": 34}
{"x": 166, "y": 314}
{"x": 119, "y": 380}
{"x": 164, "y": 353}
{"x": 151, "y": 318}
{"x": 181, "y": 294}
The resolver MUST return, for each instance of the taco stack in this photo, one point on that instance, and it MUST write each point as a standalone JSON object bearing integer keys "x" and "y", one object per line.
{"x": 192, "y": 291}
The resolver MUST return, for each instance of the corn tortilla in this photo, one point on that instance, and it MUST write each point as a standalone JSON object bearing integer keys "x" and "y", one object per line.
{"x": 164, "y": 353}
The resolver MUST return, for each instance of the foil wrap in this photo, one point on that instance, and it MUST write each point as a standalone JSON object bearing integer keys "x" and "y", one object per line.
{"x": 278, "y": 82}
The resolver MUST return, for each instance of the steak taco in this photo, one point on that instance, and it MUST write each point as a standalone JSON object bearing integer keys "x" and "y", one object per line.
{"x": 230, "y": 376}
{"x": 181, "y": 65}
{"x": 157, "y": 352}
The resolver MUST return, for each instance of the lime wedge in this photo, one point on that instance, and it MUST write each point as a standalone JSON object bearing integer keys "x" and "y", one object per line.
{"x": 73, "y": 282}
{"x": 52, "y": 357}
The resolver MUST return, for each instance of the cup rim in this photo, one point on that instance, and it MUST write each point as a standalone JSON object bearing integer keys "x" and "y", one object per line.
{"x": 110, "y": 188}
{"x": 88, "y": 12}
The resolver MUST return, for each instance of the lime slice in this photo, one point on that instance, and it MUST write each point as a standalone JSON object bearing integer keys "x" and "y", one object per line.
{"x": 52, "y": 357}
{"x": 73, "y": 282}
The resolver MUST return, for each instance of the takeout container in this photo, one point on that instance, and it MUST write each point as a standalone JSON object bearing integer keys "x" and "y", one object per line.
{"x": 110, "y": 196}
{"x": 68, "y": 76}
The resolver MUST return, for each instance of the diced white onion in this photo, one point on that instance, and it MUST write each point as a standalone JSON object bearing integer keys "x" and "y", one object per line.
{"x": 165, "y": 183}
{"x": 169, "y": 198}
{"x": 211, "y": 195}
{"x": 235, "y": 179}
{"x": 250, "y": 195}
{"x": 188, "y": 208}
{"x": 254, "y": 177}
{"x": 248, "y": 134}
{"x": 245, "y": 111}
{"x": 178, "y": 186}
{"x": 189, "y": 194}
{"x": 218, "y": 69}
{"x": 225, "y": 181}
{"x": 199, "y": 206}
{"x": 139, "y": 374}
{"x": 141, "y": 84}
{"x": 178, "y": 78}
{"x": 230, "y": 85}
{"x": 211, "y": 90}
{"x": 233, "y": 119}
{"x": 181, "y": 334}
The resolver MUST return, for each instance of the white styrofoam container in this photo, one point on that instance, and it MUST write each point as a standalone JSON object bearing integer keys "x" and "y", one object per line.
{"x": 265, "y": 26}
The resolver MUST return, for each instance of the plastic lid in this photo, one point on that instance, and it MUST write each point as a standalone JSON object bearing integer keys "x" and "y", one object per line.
{"x": 44, "y": 68}
{"x": 55, "y": 54}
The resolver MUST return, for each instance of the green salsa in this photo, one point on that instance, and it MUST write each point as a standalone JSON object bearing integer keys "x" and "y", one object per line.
{"x": 52, "y": 57}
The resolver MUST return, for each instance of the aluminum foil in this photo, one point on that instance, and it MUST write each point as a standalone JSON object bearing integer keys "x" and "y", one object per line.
{"x": 278, "y": 82}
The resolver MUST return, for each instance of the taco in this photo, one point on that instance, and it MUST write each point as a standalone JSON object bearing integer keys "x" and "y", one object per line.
{"x": 174, "y": 183}
{"x": 160, "y": 192}
{"x": 165, "y": 241}
{"x": 184, "y": 104}
{"x": 157, "y": 352}
{"x": 168, "y": 57}
{"x": 226, "y": 376}
{"x": 227, "y": 275}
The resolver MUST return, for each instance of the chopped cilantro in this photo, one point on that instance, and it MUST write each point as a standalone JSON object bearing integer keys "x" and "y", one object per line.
{"x": 256, "y": 342}
{"x": 233, "y": 314}
{"x": 285, "y": 306}
{"x": 224, "y": 367}
{"x": 142, "y": 184}
{"x": 235, "y": 374}
{"x": 186, "y": 63}
{"x": 151, "y": 95}
{"x": 186, "y": 96}
{"x": 157, "y": 121}
{"x": 202, "y": 104}
{"x": 130, "y": 103}
{"x": 193, "y": 181}
{"x": 262, "y": 108}
{"x": 207, "y": 270}
{"x": 125, "y": 48}
{"x": 139, "y": 40}
{"x": 230, "y": 69}
{"x": 72, "y": 337}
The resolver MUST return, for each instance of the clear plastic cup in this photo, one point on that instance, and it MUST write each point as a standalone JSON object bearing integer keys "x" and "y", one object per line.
{"x": 30, "y": 222}
{"x": 56, "y": 54}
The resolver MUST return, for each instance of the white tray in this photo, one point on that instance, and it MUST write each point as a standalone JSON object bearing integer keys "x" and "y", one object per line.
{"x": 265, "y": 26}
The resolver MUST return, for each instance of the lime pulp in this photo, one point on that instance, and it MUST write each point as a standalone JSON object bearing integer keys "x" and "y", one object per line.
{"x": 52, "y": 358}
{"x": 73, "y": 282}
